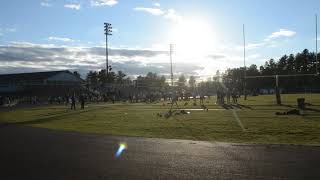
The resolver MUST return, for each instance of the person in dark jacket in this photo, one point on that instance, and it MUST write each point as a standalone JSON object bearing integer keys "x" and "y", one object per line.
{"x": 82, "y": 101}
{"x": 73, "y": 102}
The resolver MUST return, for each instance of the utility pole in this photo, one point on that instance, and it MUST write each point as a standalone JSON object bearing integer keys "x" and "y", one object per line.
{"x": 171, "y": 72}
{"x": 244, "y": 63}
{"x": 107, "y": 32}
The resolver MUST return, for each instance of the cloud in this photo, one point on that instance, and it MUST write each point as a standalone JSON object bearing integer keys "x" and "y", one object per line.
{"x": 153, "y": 11}
{"x": 127, "y": 53}
{"x": 281, "y": 33}
{"x": 10, "y": 29}
{"x": 103, "y": 2}
{"x": 63, "y": 39}
{"x": 172, "y": 15}
{"x": 28, "y": 57}
{"x": 216, "y": 56}
{"x": 269, "y": 41}
{"x": 251, "y": 46}
{"x": 169, "y": 14}
{"x": 73, "y": 6}
{"x": 3, "y": 31}
{"x": 254, "y": 45}
{"x": 46, "y": 3}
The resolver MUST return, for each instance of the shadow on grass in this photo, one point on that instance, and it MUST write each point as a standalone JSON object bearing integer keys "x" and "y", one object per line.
{"x": 50, "y": 118}
{"x": 312, "y": 109}
{"x": 235, "y": 106}
{"x": 240, "y": 106}
{"x": 289, "y": 106}
{"x": 306, "y": 108}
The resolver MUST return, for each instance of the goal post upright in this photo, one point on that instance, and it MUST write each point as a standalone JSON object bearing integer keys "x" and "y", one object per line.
{"x": 317, "y": 70}
{"x": 278, "y": 96}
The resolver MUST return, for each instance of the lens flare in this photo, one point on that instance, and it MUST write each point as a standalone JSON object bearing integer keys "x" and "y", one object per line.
{"x": 122, "y": 147}
{"x": 235, "y": 115}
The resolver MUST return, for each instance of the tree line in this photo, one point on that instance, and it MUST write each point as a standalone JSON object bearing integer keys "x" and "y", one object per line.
{"x": 153, "y": 84}
{"x": 299, "y": 64}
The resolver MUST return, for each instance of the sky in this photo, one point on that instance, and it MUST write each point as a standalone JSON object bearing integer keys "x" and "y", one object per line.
{"x": 207, "y": 35}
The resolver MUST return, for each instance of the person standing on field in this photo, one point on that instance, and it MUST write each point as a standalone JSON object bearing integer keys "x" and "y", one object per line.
{"x": 73, "y": 102}
{"x": 82, "y": 101}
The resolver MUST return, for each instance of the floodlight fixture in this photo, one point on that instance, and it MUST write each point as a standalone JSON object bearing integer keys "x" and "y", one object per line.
{"x": 107, "y": 32}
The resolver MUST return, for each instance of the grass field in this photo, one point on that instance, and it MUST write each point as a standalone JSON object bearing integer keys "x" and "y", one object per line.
{"x": 254, "y": 122}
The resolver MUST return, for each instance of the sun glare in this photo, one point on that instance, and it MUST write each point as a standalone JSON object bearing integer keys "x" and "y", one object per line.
{"x": 192, "y": 38}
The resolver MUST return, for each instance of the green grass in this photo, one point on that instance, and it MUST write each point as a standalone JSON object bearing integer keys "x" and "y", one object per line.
{"x": 260, "y": 123}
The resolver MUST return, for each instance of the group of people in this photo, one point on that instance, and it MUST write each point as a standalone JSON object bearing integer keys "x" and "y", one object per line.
{"x": 14, "y": 100}
{"x": 228, "y": 94}
{"x": 72, "y": 100}
{"x": 57, "y": 99}
{"x": 67, "y": 99}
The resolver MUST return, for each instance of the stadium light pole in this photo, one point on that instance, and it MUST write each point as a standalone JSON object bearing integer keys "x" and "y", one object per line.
{"x": 107, "y": 32}
{"x": 244, "y": 62}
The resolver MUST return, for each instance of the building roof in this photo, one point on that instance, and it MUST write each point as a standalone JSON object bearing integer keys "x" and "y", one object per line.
{"x": 35, "y": 76}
